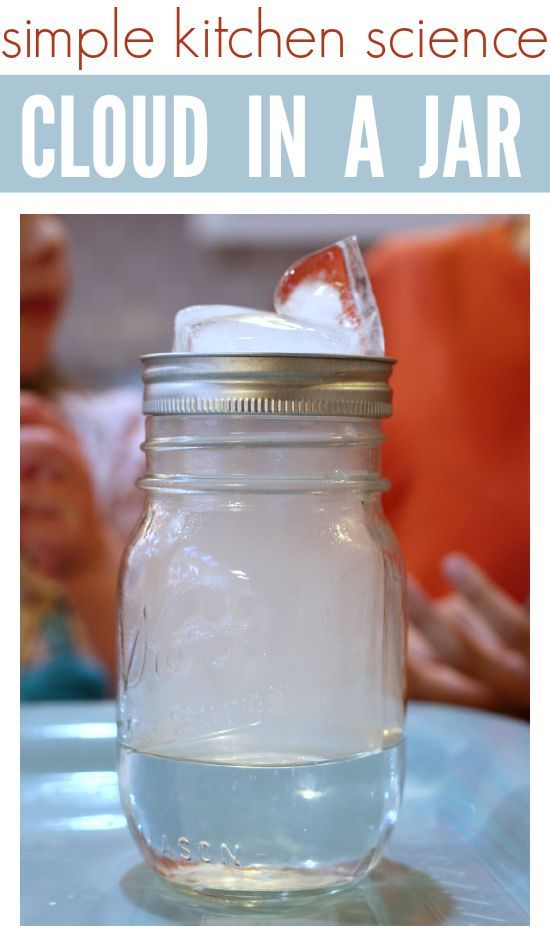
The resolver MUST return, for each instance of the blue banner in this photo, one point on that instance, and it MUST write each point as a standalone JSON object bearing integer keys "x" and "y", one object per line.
{"x": 275, "y": 133}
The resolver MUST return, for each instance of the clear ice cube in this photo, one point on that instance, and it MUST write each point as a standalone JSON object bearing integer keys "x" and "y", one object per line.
{"x": 220, "y": 329}
{"x": 332, "y": 288}
{"x": 324, "y": 305}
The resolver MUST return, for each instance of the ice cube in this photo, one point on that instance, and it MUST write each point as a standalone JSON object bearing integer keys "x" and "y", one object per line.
{"x": 324, "y": 305}
{"x": 331, "y": 288}
{"x": 222, "y": 329}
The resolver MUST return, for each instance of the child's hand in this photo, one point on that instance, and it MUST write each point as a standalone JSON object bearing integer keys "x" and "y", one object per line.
{"x": 62, "y": 530}
{"x": 471, "y": 647}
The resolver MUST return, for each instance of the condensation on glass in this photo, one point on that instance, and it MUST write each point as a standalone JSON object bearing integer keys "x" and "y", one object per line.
{"x": 261, "y": 633}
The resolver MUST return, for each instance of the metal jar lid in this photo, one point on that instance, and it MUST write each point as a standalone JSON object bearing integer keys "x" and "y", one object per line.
{"x": 322, "y": 385}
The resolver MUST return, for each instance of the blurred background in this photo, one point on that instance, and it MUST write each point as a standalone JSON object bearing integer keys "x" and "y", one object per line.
{"x": 131, "y": 273}
{"x": 454, "y": 297}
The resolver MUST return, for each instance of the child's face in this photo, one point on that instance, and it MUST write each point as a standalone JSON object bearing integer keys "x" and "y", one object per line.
{"x": 44, "y": 281}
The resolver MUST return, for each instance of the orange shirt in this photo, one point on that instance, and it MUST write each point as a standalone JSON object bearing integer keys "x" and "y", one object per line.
{"x": 455, "y": 310}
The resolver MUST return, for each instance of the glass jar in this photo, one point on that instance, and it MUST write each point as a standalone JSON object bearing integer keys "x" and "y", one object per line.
{"x": 262, "y": 626}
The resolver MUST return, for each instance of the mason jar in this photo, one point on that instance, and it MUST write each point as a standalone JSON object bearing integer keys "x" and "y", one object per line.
{"x": 262, "y": 618}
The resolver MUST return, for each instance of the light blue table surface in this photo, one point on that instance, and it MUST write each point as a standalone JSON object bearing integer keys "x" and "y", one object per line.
{"x": 458, "y": 857}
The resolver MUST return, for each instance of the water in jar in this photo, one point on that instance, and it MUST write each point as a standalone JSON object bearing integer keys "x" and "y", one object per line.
{"x": 250, "y": 825}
